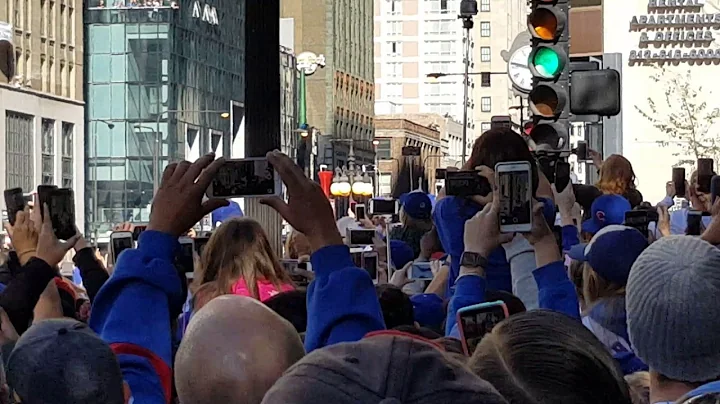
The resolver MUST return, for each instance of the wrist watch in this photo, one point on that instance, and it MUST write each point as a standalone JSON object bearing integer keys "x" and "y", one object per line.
{"x": 473, "y": 260}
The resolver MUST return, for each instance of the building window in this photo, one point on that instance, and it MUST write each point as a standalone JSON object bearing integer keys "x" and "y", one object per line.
{"x": 440, "y": 89}
{"x": 485, "y": 104}
{"x": 440, "y": 27}
{"x": 48, "y": 151}
{"x": 385, "y": 184}
{"x": 51, "y": 20}
{"x": 393, "y": 70}
{"x": 383, "y": 149}
{"x": 438, "y": 67}
{"x": 63, "y": 24}
{"x": 485, "y": 29}
{"x": 440, "y": 108}
{"x": 441, "y": 6}
{"x": 441, "y": 48}
{"x": 484, "y": 53}
{"x": 393, "y": 7}
{"x": 68, "y": 132}
{"x": 392, "y": 90}
{"x": 393, "y": 28}
{"x": 18, "y": 151}
{"x": 484, "y": 127}
{"x": 43, "y": 18}
{"x": 394, "y": 48}
{"x": 485, "y": 5}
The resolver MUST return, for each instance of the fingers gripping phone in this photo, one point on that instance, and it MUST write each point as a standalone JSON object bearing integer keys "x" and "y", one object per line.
{"x": 62, "y": 213}
{"x": 245, "y": 178}
{"x": 119, "y": 242}
{"x": 513, "y": 180}
{"x": 14, "y": 203}
{"x": 477, "y": 320}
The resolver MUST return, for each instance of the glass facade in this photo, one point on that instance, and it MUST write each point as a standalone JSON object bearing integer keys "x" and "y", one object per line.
{"x": 155, "y": 75}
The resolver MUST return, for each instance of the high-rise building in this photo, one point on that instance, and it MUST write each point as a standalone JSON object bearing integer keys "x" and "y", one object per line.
{"x": 41, "y": 97}
{"x": 165, "y": 81}
{"x": 340, "y": 95}
{"x": 496, "y": 26}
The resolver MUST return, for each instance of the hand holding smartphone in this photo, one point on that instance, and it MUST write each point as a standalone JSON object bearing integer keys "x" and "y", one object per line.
{"x": 62, "y": 213}
{"x": 245, "y": 178}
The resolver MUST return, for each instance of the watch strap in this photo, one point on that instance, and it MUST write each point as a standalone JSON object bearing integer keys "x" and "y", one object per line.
{"x": 473, "y": 260}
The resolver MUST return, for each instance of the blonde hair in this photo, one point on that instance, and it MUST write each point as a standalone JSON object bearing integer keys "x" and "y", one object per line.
{"x": 595, "y": 287}
{"x": 296, "y": 245}
{"x": 239, "y": 249}
{"x": 616, "y": 176}
{"x": 639, "y": 385}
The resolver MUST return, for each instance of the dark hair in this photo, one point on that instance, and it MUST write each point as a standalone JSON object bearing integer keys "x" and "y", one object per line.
{"x": 513, "y": 303}
{"x": 424, "y": 332}
{"x": 396, "y": 306}
{"x": 292, "y": 307}
{"x": 545, "y": 356}
{"x": 502, "y": 145}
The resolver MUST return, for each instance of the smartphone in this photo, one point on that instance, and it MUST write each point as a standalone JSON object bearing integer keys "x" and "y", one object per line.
{"x": 43, "y": 193}
{"x": 678, "y": 177}
{"x": 199, "y": 245}
{"x": 360, "y": 211}
{"x": 290, "y": 266}
{"x": 381, "y": 206}
{"x": 440, "y": 173}
{"x": 356, "y": 258}
{"x": 562, "y": 175}
{"x": 119, "y": 242}
{"x": 714, "y": 189}
{"x": 369, "y": 261}
{"x": 466, "y": 183}
{"x": 360, "y": 236}
{"x": 421, "y": 271}
{"x": 184, "y": 258}
{"x": 477, "y": 320}
{"x": 14, "y": 203}
{"x": 245, "y": 178}
{"x": 638, "y": 219}
{"x": 62, "y": 213}
{"x": 705, "y": 173}
{"x": 515, "y": 191}
{"x": 137, "y": 231}
{"x": 694, "y": 223}
{"x": 581, "y": 151}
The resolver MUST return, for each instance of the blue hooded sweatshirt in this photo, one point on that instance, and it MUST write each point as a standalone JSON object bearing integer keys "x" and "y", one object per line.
{"x": 131, "y": 312}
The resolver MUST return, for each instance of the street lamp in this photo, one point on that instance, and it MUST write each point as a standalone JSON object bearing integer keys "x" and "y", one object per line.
{"x": 341, "y": 183}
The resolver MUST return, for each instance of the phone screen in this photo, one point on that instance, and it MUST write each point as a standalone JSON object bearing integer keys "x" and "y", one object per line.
{"x": 678, "y": 176}
{"x": 694, "y": 223}
{"x": 360, "y": 212}
{"x": 705, "y": 174}
{"x": 514, "y": 187}
{"x": 476, "y": 323}
{"x": 242, "y": 178}
{"x": 43, "y": 193}
{"x": 421, "y": 270}
{"x": 137, "y": 231}
{"x": 62, "y": 213}
{"x": 369, "y": 263}
{"x": 581, "y": 151}
{"x": 383, "y": 206}
{"x": 119, "y": 244}
{"x": 562, "y": 175}
{"x": 184, "y": 258}
{"x": 466, "y": 183}
{"x": 14, "y": 202}
{"x": 361, "y": 236}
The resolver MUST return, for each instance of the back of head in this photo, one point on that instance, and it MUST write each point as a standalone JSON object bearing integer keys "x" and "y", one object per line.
{"x": 64, "y": 361}
{"x": 513, "y": 303}
{"x": 502, "y": 145}
{"x": 672, "y": 316}
{"x": 234, "y": 349}
{"x": 396, "y": 306}
{"x": 616, "y": 175}
{"x": 381, "y": 368}
{"x": 292, "y": 307}
{"x": 239, "y": 250}
{"x": 542, "y": 356}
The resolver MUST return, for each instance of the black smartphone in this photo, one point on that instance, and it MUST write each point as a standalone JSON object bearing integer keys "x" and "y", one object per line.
{"x": 638, "y": 219}
{"x": 62, "y": 213}
{"x": 360, "y": 211}
{"x": 581, "y": 151}
{"x": 360, "y": 236}
{"x": 43, "y": 192}
{"x": 705, "y": 173}
{"x": 466, "y": 183}
{"x": 694, "y": 223}
{"x": 14, "y": 203}
{"x": 714, "y": 189}
{"x": 370, "y": 264}
{"x": 245, "y": 178}
{"x": 678, "y": 177}
{"x": 199, "y": 244}
{"x": 440, "y": 173}
{"x": 137, "y": 231}
{"x": 184, "y": 258}
{"x": 562, "y": 175}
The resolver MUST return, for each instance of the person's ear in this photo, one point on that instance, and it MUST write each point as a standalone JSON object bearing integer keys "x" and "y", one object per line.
{"x": 128, "y": 393}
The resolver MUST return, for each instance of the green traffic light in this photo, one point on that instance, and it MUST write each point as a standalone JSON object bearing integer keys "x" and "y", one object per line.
{"x": 547, "y": 62}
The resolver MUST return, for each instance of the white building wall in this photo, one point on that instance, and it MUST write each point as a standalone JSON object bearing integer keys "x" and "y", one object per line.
{"x": 59, "y": 109}
{"x": 651, "y": 162}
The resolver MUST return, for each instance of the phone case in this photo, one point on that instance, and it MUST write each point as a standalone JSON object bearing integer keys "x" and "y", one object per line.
{"x": 476, "y": 307}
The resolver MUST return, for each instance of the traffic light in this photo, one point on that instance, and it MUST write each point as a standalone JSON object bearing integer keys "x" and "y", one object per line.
{"x": 549, "y": 65}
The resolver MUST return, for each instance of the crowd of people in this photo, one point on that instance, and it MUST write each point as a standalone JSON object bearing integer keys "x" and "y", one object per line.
{"x": 593, "y": 310}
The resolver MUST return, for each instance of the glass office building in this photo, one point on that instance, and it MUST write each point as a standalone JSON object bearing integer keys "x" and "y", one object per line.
{"x": 160, "y": 81}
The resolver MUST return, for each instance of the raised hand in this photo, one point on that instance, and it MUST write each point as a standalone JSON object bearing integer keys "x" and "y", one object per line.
{"x": 24, "y": 236}
{"x": 179, "y": 204}
{"x": 308, "y": 209}
{"x": 49, "y": 248}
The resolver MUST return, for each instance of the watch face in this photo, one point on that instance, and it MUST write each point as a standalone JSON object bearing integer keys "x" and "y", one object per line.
{"x": 518, "y": 69}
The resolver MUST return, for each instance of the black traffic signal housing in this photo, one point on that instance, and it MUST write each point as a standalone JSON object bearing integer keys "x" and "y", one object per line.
{"x": 549, "y": 65}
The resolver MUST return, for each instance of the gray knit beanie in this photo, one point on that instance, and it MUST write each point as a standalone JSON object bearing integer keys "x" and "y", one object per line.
{"x": 673, "y": 308}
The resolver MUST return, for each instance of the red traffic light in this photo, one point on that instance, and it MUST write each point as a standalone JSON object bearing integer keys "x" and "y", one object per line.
{"x": 547, "y": 100}
{"x": 527, "y": 127}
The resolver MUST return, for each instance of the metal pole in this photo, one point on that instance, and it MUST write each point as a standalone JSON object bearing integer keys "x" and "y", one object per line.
{"x": 156, "y": 153}
{"x": 95, "y": 185}
{"x": 410, "y": 164}
{"x": 466, "y": 87}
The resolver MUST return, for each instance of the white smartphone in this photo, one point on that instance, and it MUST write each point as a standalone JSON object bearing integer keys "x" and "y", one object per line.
{"x": 120, "y": 241}
{"x": 245, "y": 178}
{"x": 514, "y": 187}
{"x": 421, "y": 271}
{"x": 380, "y": 206}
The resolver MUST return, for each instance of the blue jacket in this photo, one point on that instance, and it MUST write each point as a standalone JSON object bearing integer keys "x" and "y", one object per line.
{"x": 449, "y": 216}
{"x": 132, "y": 313}
{"x": 555, "y": 292}
{"x": 569, "y": 237}
{"x": 341, "y": 301}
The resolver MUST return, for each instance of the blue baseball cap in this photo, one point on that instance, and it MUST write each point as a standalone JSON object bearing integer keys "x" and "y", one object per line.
{"x": 416, "y": 204}
{"x": 606, "y": 210}
{"x": 611, "y": 252}
{"x": 401, "y": 253}
{"x": 428, "y": 310}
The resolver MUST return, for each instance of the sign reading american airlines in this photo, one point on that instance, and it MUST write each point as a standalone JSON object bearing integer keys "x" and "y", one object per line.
{"x": 205, "y": 13}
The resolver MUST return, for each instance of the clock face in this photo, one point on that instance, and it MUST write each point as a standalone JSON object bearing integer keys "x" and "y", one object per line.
{"x": 518, "y": 69}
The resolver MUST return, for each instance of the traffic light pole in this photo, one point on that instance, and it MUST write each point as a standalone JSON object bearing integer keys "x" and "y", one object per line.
{"x": 467, "y": 25}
